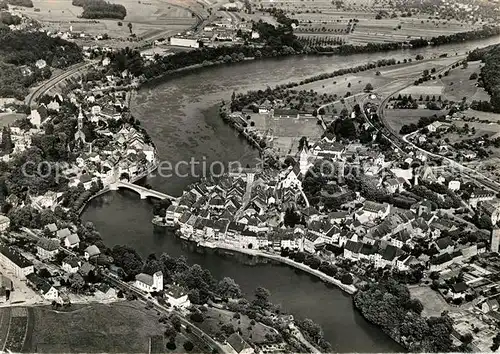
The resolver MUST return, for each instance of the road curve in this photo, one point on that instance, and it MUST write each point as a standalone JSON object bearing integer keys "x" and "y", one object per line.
{"x": 31, "y": 99}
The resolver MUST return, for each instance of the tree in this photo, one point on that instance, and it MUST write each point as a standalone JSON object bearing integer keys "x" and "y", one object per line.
{"x": 368, "y": 87}
{"x": 262, "y": 297}
{"x": 291, "y": 217}
{"x": 467, "y": 338}
{"x": 188, "y": 346}
{"x": 170, "y": 331}
{"x": 130, "y": 27}
{"x": 176, "y": 322}
{"x": 7, "y": 145}
{"x": 44, "y": 273}
{"x": 171, "y": 344}
{"x": 228, "y": 288}
{"x": 197, "y": 317}
{"x": 346, "y": 279}
{"x": 76, "y": 282}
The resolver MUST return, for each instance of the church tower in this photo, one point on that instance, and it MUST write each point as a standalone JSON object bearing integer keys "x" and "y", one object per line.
{"x": 80, "y": 119}
{"x": 158, "y": 281}
{"x": 304, "y": 160}
{"x": 80, "y": 135}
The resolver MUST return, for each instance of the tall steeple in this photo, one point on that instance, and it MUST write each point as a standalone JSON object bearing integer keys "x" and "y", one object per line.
{"x": 80, "y": 135}
{"x": 80, "y": 119}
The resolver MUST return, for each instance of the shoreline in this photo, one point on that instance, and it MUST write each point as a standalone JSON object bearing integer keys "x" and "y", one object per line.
{"x": 350, "y": 289}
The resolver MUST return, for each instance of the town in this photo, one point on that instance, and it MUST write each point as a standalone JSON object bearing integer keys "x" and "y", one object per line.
{"x": 378, "y": 178}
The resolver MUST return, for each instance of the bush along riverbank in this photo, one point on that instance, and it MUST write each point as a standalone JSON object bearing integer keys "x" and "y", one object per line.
{"x": 388, "y": 304}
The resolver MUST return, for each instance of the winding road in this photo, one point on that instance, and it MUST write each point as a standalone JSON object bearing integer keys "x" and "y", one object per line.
{"x": 31, "y": 99}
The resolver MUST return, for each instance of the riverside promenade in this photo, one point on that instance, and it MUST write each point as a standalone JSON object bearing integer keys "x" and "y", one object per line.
{"x": 350, "y": 289}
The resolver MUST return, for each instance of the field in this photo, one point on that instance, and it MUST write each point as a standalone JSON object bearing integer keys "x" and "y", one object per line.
{"x": 9, "y": 118}
{"x": 16, "y": 324}
{"x": 458, "y": 84}
{"x": 322, "y": 17}
{"x": 120, "y": 327}
{"x": 367, "y": 29}
{"x": 416, "y": 91}
{"x": 287, "y": 132}
{"x": 396, "y": 118}
{"x": 149, "y": 19}
{"x": 433, "y": 303}
{"x": 215, "y": 318}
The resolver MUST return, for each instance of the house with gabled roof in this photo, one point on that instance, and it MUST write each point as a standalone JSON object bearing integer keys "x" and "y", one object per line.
{"x": 338, "y": 217}
{"x": 400, "y": 238}
{"x": 72, "y": 241}
{"x": 352, "y": 250}
{"x": 52, "y": 228}
{"x": 441, "y": 262}
{"x": 91, "y": 252}
{"x": 376, "y": 210}
{"x": 63, "y": 233}
{"x": 70, "y": 264}
{"x": 389, "y": 256}
{"x": 310, "y": 213}
{"x": 311, "y": 241}
{"x": 239, "y": 345}
{"x": 393, "y": 185}
{"x": 47, "y": 290}
{"x": 445, "y": 245}
{"x": 489, "y": 305}
{"x": 480, "y": 195}
{"x": 47, "y": 248}
{"x": 248, "y": 239}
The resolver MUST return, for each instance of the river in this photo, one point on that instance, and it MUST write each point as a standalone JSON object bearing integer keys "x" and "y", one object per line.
{"x": 180, "y": 116}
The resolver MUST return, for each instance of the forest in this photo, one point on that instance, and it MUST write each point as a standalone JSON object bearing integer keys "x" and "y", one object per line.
{"x": 389, "y": 305}
{"x": 25, "y": 3}
{"x": 101, "y": 9}
{"x": 19, "y": 52}
{"x": 489, "y": 78}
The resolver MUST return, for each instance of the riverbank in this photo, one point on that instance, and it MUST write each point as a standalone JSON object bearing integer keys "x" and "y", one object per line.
{"x": 350, "y": 289}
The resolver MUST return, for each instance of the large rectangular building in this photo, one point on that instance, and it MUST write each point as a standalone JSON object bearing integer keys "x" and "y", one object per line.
{"x": 15, "y": 262}
{"x": 184, "y": 42}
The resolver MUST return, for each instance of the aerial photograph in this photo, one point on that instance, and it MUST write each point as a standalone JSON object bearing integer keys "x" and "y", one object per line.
{"x": 249, "y": 176}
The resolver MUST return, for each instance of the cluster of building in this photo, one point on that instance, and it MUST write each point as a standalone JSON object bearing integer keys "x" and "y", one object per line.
{"x": 57, "y": 262}
{"x": 222, "y": 30}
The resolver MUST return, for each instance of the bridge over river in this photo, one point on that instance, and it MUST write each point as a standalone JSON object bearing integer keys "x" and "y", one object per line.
{"x": 142, "y": 191}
